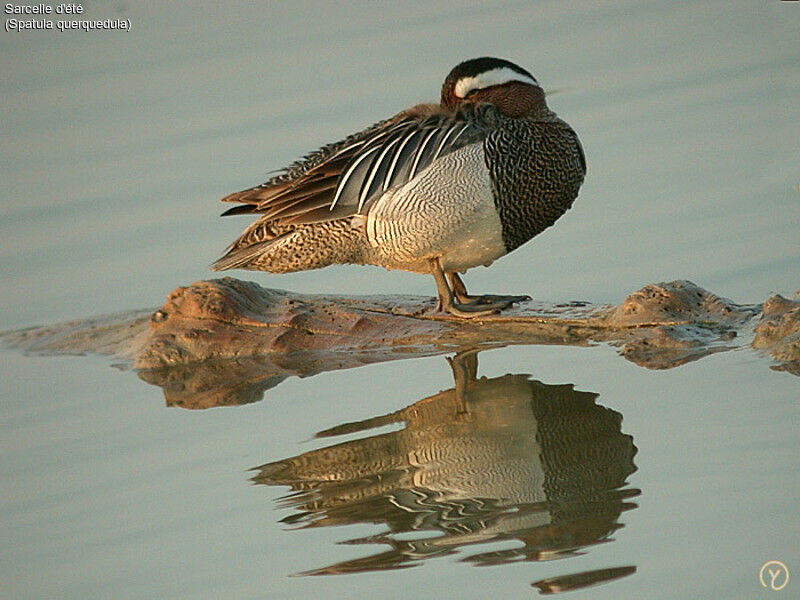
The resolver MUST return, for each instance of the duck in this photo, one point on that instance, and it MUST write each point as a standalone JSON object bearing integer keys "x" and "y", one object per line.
{"x": 437, "y": 189}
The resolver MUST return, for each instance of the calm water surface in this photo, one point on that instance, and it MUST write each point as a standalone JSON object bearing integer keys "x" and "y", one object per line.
{"x": 550, "y": 469}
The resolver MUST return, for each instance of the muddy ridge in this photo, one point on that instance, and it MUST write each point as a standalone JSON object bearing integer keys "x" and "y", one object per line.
{"x": 225, "y": 341}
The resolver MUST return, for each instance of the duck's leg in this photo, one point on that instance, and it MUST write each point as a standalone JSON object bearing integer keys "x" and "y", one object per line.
{"x": 465, "y": 371}
{"x": 448, "y": 302}
{"x": 460, "y": 293}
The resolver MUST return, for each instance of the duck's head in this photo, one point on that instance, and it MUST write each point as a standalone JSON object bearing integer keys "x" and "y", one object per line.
{"x": 512, "y": 89}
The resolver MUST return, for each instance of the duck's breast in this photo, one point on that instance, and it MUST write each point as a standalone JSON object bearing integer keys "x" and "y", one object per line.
{"x": 447, "y": 211}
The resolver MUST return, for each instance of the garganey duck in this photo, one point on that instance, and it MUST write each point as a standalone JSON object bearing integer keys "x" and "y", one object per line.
{"x": 436, "y": 189}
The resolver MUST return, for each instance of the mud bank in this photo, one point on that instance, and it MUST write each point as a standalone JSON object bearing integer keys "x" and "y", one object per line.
{"x": 225, "y": 341}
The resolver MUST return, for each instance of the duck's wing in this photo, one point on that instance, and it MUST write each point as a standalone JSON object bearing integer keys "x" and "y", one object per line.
{"x": 344, "y": 178}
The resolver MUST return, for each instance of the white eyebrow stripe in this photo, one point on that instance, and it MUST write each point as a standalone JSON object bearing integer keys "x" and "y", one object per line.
{"x": 489, "y": 78}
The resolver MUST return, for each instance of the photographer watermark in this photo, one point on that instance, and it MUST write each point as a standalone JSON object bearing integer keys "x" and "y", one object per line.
{"x": 773, "y": 575}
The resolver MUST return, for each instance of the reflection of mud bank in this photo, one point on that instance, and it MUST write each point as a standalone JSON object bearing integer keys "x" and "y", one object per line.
{"x": 540, "y": 469}
{"x": 778, "y": 332}
{"x": 275, "y": 334}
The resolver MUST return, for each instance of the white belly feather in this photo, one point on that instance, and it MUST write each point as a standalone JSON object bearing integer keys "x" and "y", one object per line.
{"x": 447, "y": 211}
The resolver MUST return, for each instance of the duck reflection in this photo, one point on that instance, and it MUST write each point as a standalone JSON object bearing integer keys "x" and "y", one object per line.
{"x": 540, "y": 468}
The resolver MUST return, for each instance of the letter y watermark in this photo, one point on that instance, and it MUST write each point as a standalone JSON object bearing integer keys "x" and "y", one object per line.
{"x": 773, "y": 575}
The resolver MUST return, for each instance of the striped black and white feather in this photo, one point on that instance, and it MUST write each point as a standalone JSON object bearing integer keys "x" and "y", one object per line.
{"x": 345, "y": 178}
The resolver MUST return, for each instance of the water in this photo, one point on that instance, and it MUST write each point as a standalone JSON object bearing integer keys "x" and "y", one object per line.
{"x": 116, "y": 147}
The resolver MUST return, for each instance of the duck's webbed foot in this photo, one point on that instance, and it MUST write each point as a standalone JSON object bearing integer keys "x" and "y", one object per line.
{"x": 448, "y": 302}
{"x": 499, "y": 301}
